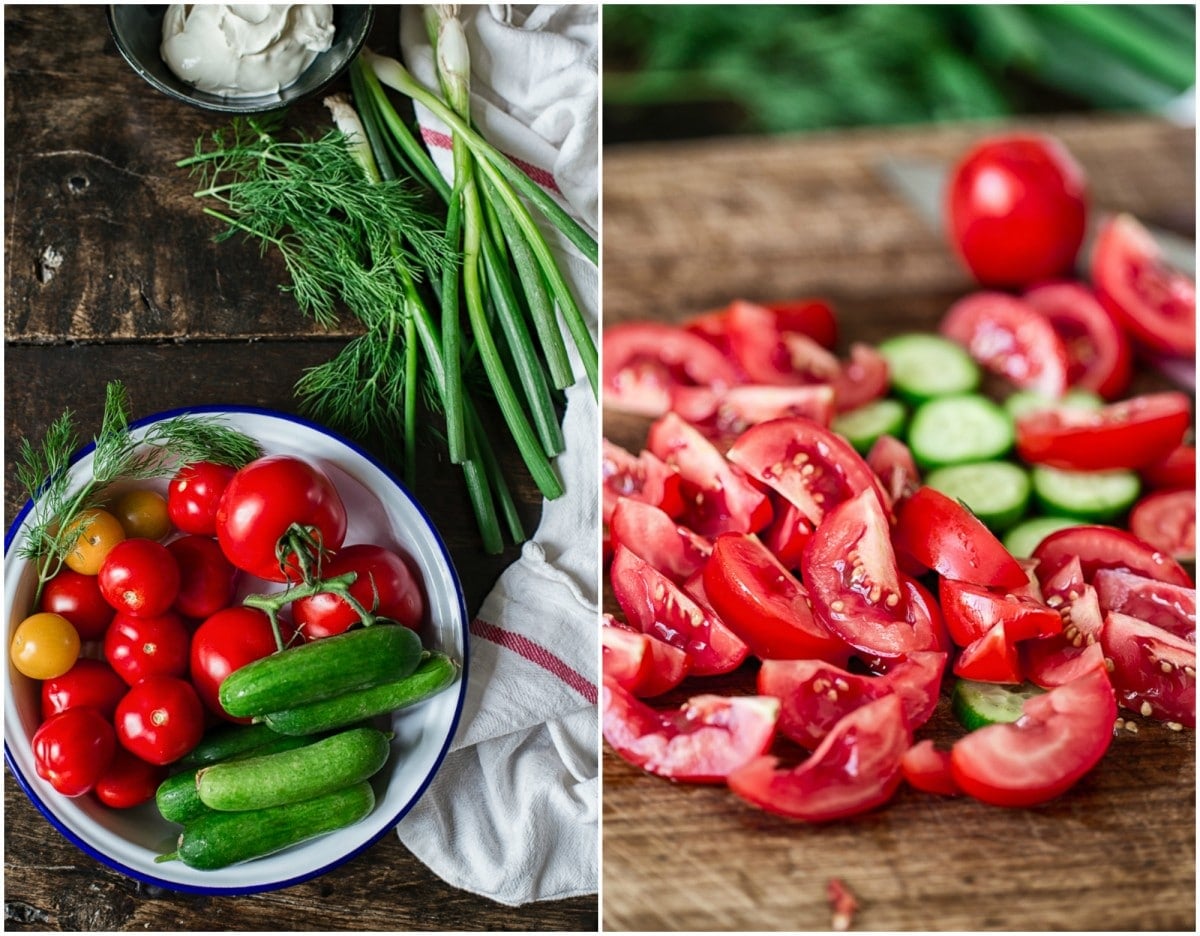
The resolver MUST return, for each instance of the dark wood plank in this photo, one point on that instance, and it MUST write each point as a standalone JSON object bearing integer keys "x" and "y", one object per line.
{"x": 688, "y": 227}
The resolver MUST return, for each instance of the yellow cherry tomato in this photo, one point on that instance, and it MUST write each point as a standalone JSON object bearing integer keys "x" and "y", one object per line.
{"x": 143, "y": 513}
{"x": 44, "y": 645}
{"x": 101, "y": 531}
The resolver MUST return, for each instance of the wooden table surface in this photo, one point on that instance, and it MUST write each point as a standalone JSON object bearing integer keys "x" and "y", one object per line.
{"x": 145, "y": 296}
{"x": 688, "y": 227}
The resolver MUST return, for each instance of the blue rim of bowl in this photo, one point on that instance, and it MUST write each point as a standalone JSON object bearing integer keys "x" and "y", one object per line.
{"x": 70, "y": 835}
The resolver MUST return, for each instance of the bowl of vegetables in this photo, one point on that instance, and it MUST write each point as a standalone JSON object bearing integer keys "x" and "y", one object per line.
{"x": 239, "y": 677}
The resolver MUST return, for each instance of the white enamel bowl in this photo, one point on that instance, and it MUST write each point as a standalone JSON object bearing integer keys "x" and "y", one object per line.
{"x": 380, "y": 511}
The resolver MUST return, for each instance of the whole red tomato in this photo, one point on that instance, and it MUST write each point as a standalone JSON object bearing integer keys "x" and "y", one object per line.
{"x": 1016, "y": 209}
{"x": 89, "y": 683}
{"x": 140, "y": 576}
{"x": 228, "y": 641}
{"x": 77, "y": 597}
{"x": 384, "y": 584}
{"x": 160, "y": 719}
{"x": 137, "y": 647}
{"x": 72, "y": 749}
{"x": 206, "y": 578}
{"x": 129, "y": 781}
{"x": 264, "y": 500}
{"x": 194, "y": 495}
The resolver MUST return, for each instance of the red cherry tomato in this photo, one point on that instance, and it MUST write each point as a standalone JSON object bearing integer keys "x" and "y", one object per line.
{"x": 642, "y": 477}
{"x": 207, "y": 580}
{"x": 1103, "y": 547}
{"x": 1167, "y": 521}
{"x": 137, "y": 647}
{"x": 1129, "y": 434}
{"x": 854, "y": 769}
{"x": 1061, "y": 735}
{"x": 1098, "y": 354}
{"x": 701, "y": 742}
{"x": 384, "y": 584}
{"x": 642, "y": 363}
{"x": 1153, "y": 672}
{"x": 1017, "y": 205}
{"x": 648, "y": 532}
{"x": 1009, "y": 338}
{"x": 641, "y": 664}
{"x": 89, "y": 683}
{"x": 160, "y": 719}
{"x": 77, "y": 597}
{"x": 1154, "y": 302}
{"x": 260, "y": 504}
{"x": 129, "y": 781}
{"x": 140, "y": 576}
{"x": 194, "y": 494}
{"x": 225, "y": 642}
{"x": 72, "y": 749}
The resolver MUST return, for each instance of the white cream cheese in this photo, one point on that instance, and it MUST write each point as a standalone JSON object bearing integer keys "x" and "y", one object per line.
{"x": 243, "y": 49}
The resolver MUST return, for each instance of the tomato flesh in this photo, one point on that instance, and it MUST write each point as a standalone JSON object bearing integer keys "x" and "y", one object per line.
{"x": 724, "y": 415}
{"x": 1104, "y": 547}
{"x": 861, "y": 379}
{"x": 928, "y": 769}
{"x": 971, "y": 612}
{"x": 671, "y": 548}
{"x": 1154, "y": 672}
{"x": 894, "y": 465}
{"x": 1171, "y": 607}
{"x": 643, "y": 362}
{"x": 641, "y": 477}
{"x": 641, "y": 664}
{"x": 1166, "y": 520}
{"x": 1177, "y": 469}
{"x": 1098, "y": 354}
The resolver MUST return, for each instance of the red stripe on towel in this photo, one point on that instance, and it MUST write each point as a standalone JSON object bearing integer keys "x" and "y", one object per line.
{"x": 540, "y": 176}
{"x": 536, "y": 653}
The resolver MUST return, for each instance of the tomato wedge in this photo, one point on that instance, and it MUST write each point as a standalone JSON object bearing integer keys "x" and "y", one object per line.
{"x": 718, "y": 496}
{"x": 641, "y": 664}
{"x": 642, "y": 362}
{"x": 1129, "y": 434}
{"x": 1009, "y": 338}
{"x": 943, "y": 535}
{"x": 861, "y": 379}
{"x": 1060, "y": 736}
{"x": 642, "y": 477}
{"x": 1171, "y": 607}
{"x": 816, "y": 695}
{"x": 1098, "y": 354}
{"x": 788, "y": 534}
{"x": 768, "y": 354}
{"x": 657, "y": 606}
{"x": 928, "y": 769}
{"x": 708, "y": 737}
{"x": 855, "y": 769}
{"x": 671, "y": 548}
{"x": 764, "y": 604}
{"x": 725, "y": 414}
{"x": 971, "y": 612}
{"x": 1105, "y": 547}
{"x": 1059, "y": 658}
{"x": 1167, "y": 521}
{"x": 812, "y": 317}
{"x": 893, "y": 462}
{"x": 1154, "y": 302}
{"x": 1176, "y": 470}
{"x": 1154, "y": 672}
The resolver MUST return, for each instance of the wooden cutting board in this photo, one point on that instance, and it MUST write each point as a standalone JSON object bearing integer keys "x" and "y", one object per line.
{"x": 687, "y": 227}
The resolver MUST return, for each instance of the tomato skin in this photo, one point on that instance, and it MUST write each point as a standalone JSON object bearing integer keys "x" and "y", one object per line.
{"x": 812, "y": 317}
{"x": 1167, "y": 521}
{"x": 643, "y": 477}
{"x": 701, "y": 742}
{"x": 648, "y": 532}
{"x": 101, "y": 532}
{"x": 1177, "y": 469}
{"x": 160, "y": 719}
{"x": 1171, "y": 607}
{"x": 129, "y": 781}
{"x": 142, "y": 513}
{"x": 894, "y": 465}
{"x": 207, "y": 580}
{"x": 194, "y": 494}
{"x": 928, "y": 769}
{"x": 1153, "y": 672}
{"x": 77, "y": 598}
{"x": 72, "y": 749}
{"x": 854, "y": 769}
{"x": 641, "y": 664}
{"x": 44, "y": 646}
{"x": 1098, "y": 353}
{"x": 642, "y": 362}
{"x": 1104, "y": 547}
{"x": 140, "y": 577}
{"x": 861, "y": 379}
{"x": 138, "y": 647}
{"x": 1017, "y": 206}
{"x": 384, "y": 584}
{"x": 1129, "y": 434}
{"x": 971, "y": 612}
{"x": 227, "y": 641}
{"x": 1154, "y": 302}
{"x": 87, "y": 684}
{"x": 263, "y": 500}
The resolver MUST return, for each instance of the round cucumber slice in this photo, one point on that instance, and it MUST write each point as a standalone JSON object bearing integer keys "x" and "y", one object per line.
{"x": 923, "y": 366}
{"x": 1022, "y": 402}
{"x": 1089, "y": 495}
{"x": 976, "y": 704}
{"x": 1024, "y": 538}
{"x": 996, "y": 492}
{"x": 955, "y": 430}
{"x": 862, "y": 426}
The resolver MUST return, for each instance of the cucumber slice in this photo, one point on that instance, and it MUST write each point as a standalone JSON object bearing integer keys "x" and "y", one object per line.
{"x": 923, "y": 366}
{"x": 1024, "y": 538}
{"x": 1088, "y": 495}
{"x": 862, "y": 426}
{"x": 1022, "y": 402}
{"x": 996, "y": 492}
{"x": 955, "y": 430}
{"x": 976, "y": 704}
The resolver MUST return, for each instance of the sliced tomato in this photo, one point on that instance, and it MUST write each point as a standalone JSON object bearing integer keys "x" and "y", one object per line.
{"x": 927, "y": 769}
{"x": 1129, "y": 434}
{"x": 941, "y": 534}
{"x": 993, "y": 657}
{"x": 922, "y": 612}
{"x": 670, "y": 547}
{"x": 708, "y": 737}
{"x": 1009, "y": 338}
{"x": 642, "y": 477}
{"x": 1177, "y": 469}
{"x": 768, "y": 354}
{"x": 812, "y": 467}
{"x": 764, "y": 604}
{"x": 1059, "y": 658}
{"x": 1171, "y": 607}
{"x": 641, "y": 664}
{"x": 1060, "y": 736}
{"x": 788, "y": 534}
{"x": 855, "y": 769}
{"x": 850, "y": 570}
{"x": 1154, "y": 302}
{"x": 812, "y": 317}
{"x": 1167, "y": 521}
{"x": 642, "y": 362}
{"x": 1105, "y": 547}
{"x": 861, "y": 379}
{"x": 1154, "y": 672}
{"x": 816, "y": 695}
{"x": 657, "y": 606}
{"x": 1098, "y": 354}
{"x": 724, "y": 414}
{"x": 718, "y": 497}
{"x": 971, "y": 612}
{"x": 893, "y": 462}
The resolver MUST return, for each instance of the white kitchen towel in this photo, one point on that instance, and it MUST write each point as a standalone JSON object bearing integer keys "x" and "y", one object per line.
{"x": 513, "y": 812}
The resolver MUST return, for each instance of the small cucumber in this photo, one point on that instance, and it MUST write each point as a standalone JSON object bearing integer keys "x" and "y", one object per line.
{"x": 219, "y": 839}
{"x": 224, "y": 742}
{"x": 436, "y": 673}
{"x": 177, "y": 798}
{"x": 292, "y": 776}
{"x": 321, "y": 669}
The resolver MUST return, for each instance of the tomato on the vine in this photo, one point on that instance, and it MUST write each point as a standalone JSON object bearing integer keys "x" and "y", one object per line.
{"x": 72, "y": 750}
{"x": 384, "y": 585}
{"x": 160, "y": 719}
{"x": 140, "y": 576}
